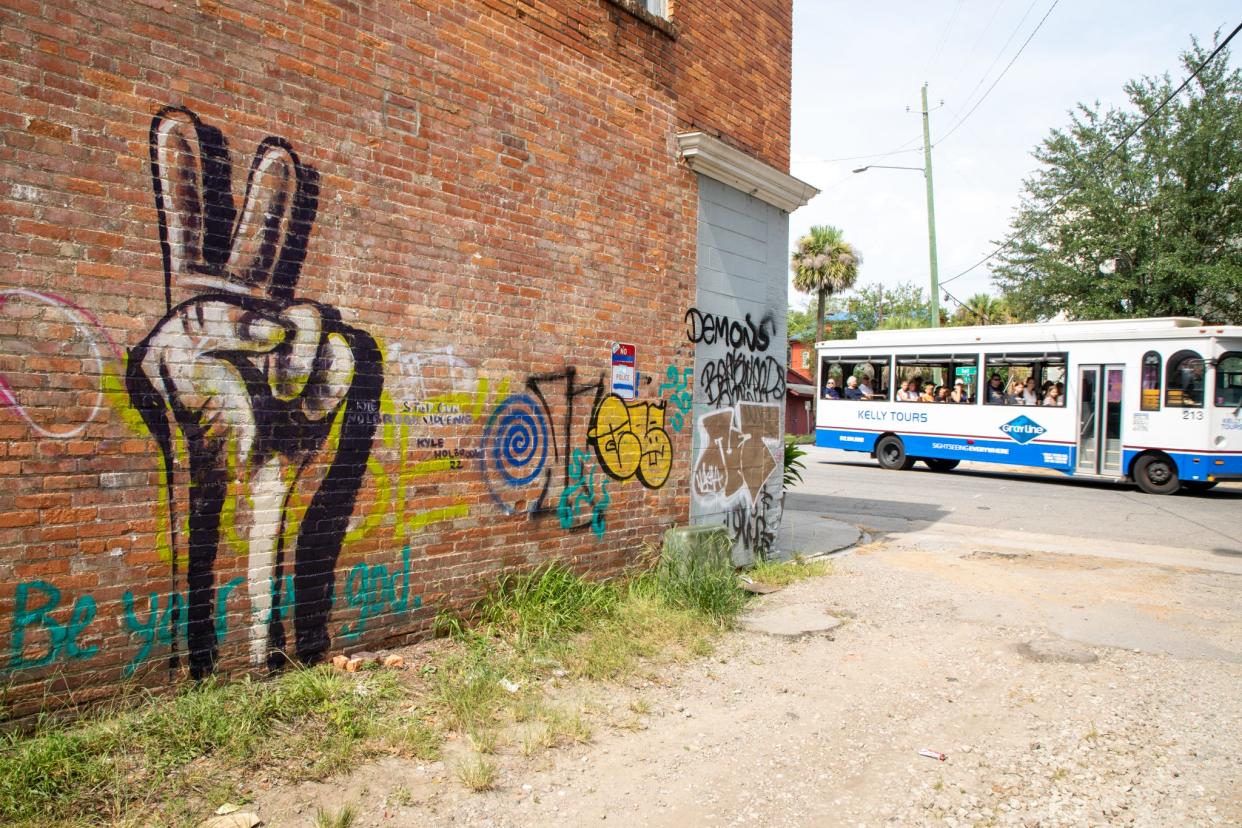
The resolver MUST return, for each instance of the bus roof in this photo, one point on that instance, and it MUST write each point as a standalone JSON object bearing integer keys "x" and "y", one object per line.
{"x": 1121, "y": 329}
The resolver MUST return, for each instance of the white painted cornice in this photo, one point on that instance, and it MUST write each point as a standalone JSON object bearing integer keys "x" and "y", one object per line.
{"x": 715, "y": 159}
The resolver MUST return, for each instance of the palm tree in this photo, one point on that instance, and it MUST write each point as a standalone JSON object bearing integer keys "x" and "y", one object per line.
{"x": 824, "y": 264}
{"x": 984, "y": 309}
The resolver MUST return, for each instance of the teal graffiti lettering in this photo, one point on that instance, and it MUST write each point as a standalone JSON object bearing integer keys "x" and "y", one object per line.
{"x": 222, "y": 599}
{"x": 681, "y": 397}
{"x": 372, "y": 590}
{"x": 581, "y": 493}
{"x": 62, "y": 639}
{"x": 40, "y": 617}
{"x": 158, "y": 627}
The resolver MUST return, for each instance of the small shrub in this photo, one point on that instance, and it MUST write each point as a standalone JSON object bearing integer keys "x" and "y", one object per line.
{"x": 343, "y": 818}
{"x": 478, "y": 774}
{"x": 793, "y": 466}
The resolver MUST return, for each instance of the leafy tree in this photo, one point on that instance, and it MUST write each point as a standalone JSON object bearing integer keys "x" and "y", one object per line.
{"x": 873, "y": 307}
{"x": 985, "y": 309}
{"x": 1152, "y": 230}
{"x": 824, "y": 264}
{"x": 801, "y": 325}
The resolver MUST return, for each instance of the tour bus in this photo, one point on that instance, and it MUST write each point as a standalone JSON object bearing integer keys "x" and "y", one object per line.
{"x": 1153, "y": 401}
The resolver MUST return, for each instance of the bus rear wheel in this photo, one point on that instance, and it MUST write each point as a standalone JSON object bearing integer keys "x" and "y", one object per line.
{"x": 938, "y": 464}
{"x": 890, "y": 452}
{"x": 1156, "y": 474}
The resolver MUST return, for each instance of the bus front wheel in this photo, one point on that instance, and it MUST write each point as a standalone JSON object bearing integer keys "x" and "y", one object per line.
{"x": 891, "y": 454}
{"x": 1156, "y": 474}
{"x": 938, "y": 464}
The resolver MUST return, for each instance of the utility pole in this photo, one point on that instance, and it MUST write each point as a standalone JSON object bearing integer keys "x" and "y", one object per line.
{"x": 931, "y": 217}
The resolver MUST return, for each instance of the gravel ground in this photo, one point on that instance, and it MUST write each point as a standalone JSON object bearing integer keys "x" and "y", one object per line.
{"x": 1087, "y": 686}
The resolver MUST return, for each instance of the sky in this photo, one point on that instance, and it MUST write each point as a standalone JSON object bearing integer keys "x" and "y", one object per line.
{"x": 858, "y": 66}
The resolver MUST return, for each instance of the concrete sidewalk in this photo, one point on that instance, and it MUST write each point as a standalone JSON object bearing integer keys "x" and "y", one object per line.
{"x": 810, "y": 533}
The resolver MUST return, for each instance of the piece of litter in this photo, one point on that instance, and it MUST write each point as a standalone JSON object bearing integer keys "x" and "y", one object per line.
{"x": 511, "y": 686}
{"x": 933, "y": 754}
{"x": 226, "y": 808}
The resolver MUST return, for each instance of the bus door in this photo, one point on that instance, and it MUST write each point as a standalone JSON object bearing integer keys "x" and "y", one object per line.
{"x": 1099, "y": 419}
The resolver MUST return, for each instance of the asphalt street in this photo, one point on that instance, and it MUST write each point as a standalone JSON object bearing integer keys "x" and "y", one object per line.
{"x": 850, "y": 486}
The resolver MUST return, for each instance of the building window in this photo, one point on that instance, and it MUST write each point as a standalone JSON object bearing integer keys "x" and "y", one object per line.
{"x": 806, "y": 358}
{"x": 657, "y": 7}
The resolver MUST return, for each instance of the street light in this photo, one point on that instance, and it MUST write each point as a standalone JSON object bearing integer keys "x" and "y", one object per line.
{"x": 926, "y": 170}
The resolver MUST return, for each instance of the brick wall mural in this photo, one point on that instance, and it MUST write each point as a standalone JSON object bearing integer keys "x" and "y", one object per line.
{"x": 306, "y": 317}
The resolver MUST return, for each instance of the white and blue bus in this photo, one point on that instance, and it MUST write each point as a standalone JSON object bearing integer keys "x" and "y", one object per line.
{"x": 1153, "y": 401}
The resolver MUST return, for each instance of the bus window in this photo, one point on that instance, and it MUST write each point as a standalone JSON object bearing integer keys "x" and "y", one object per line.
{"x": 936, "y": 378}
{"x": 1229, "y": 380}
{"x": 856, "y": 378}
{"x": 1185, "y": 380}
{"x": 1025, "y": 379}
{"x": 1149, "y": 382}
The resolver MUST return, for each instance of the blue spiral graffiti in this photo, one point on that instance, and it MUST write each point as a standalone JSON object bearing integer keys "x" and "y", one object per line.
{"x": 517, "y": 440}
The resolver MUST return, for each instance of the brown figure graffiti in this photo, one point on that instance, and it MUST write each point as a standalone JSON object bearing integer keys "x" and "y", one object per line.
{"x": 735, "y": 456}
{"x": 254, "y": 396}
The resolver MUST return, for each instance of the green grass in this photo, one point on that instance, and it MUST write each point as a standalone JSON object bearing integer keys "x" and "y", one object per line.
{"x": 702, "y": 584}
{"x": 549, "y": 602}
{"x": 343, "y": 818}
{"x": 784, "y": 573}
{"x": 181, "y": 755}
{"x": 111, "y": 763}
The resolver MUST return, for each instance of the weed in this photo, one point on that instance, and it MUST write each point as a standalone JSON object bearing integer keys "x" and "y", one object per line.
{"x": 793, "y": 465}
{"x": 478, "y": 774}
{"x": 552, "y": 601}
{"x": 702, "y": 583}
{"x": 784, "y": 573}
{"x": 536, "y": 740}
{"x": 484, "y": 741}
{"x": 416, "y": 738}
{"x": 343, "y": 818}
{"x": 640, "y": 706}
{"x": 401, "y": 797}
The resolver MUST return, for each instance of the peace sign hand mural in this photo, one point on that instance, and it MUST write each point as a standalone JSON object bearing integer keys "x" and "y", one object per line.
{"x": 272, "y": 396}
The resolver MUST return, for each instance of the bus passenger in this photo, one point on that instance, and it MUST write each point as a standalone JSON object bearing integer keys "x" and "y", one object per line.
{"x": 942, "y": 394}
{"x": 1014, "y": 394}
{"x": 959, "y": 394}
{"x": 865, "y": 388}
{"x": 830, "y": 390}
{"x": 1053, "y": 397}
{"x": 1030, "y": 396}
{"x": 851, "y": 389}
{"x": 926, "y": 394}
{"x": 996, "y": 390}
{"x": 905, "y": 393}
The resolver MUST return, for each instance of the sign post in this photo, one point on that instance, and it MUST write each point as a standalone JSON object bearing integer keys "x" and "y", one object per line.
{"x": 624, "y": 377}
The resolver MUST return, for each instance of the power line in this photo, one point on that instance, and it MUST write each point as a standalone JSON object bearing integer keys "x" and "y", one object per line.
{"x": 897, "y": 151}
{"x": 944, "y": 37}
{"x": 1077, "y": 182}
{"x": 1001, "y": 51}
{"x": 975, "y": 46}
{"x": 1008, "y": 66}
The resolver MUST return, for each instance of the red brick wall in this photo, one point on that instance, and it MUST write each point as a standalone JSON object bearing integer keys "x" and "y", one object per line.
{"x": 470, "y": 202}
